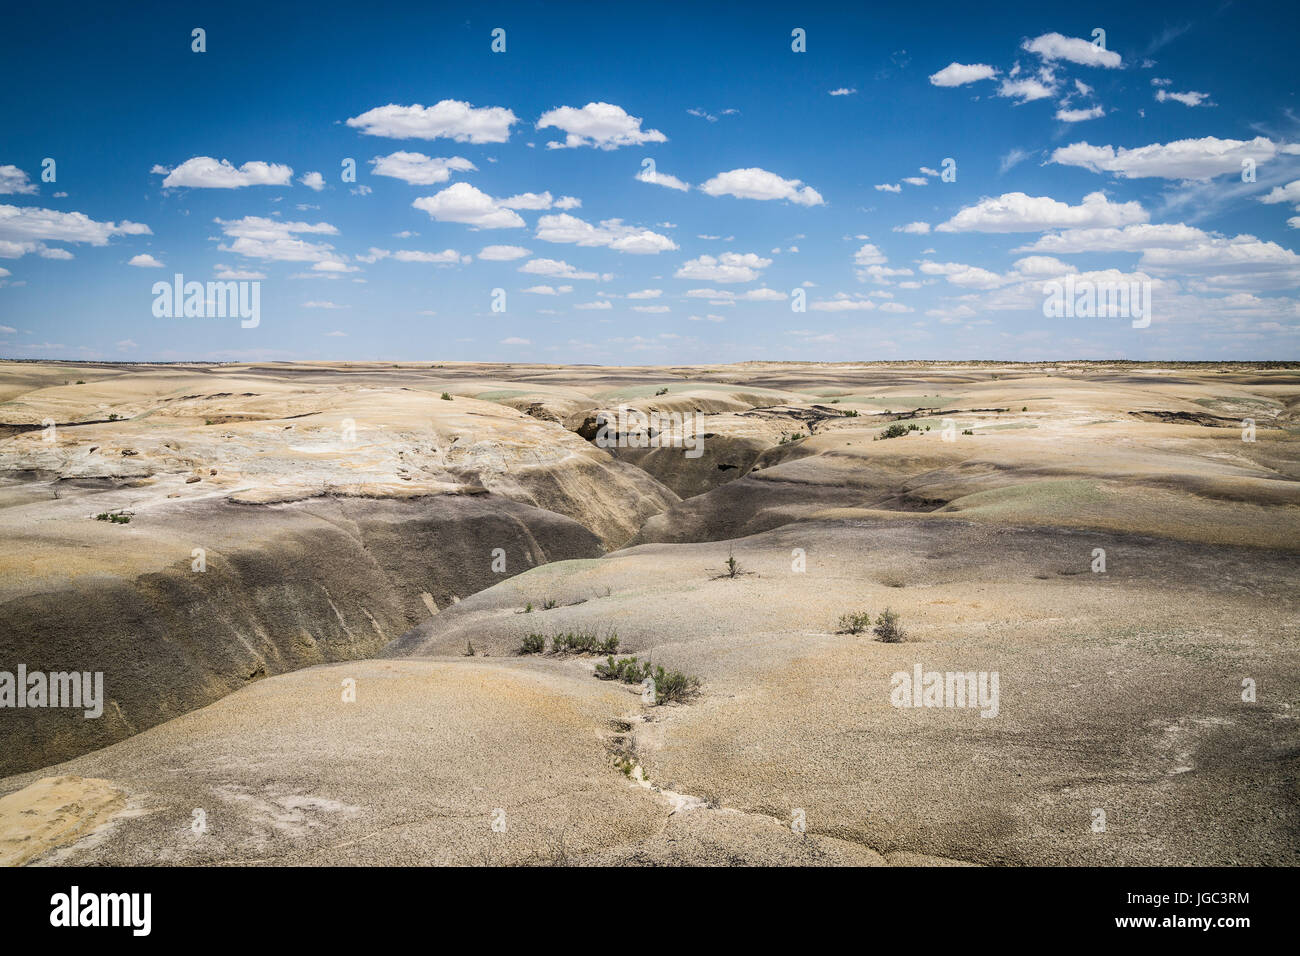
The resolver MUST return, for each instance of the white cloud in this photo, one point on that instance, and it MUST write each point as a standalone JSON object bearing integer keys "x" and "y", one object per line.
{"x": 313, "y": 181}
{"x": 204, "y": 172}
{"x": 463, "y": 203}
{"x": 1078, "y": 116}
{"x": 646, "y": 294}
{"x": 322, "y": 305}
{"x": 729, "y": 267}
{"x": 1190, "y": 98}
{"x": 446, "y": 257}
{"x": 599, "y": 304}
{"x": 25, "y": 229}
{"x": 843, "y": 91}
{"x": 337, "y": 334}
{"x": 755, "y": 183}
{"x": 842, "y": 302}
{"x": 568, "y": 202}
{"x": 915, "y": 228}
{"x": 601, "y": 125}
{"x": 661, "y": 179}
{"x": 225, "y": 272}
{"x": 261, "y": 238}
{"x": 611, "y": 232}
{"x": 970, "y": 277}
{"x": 1026, "y": 90}
{"x": 419, "y": 169}
{"x": 916, "y": 181}
{"x": 888, "y": 188}
{"x": 869, "y": 255}
{"x": 654, "y": 309}
{"x": 1202, "y": 158}
{"x": 1018, "y": 212}
{"x": 555, "y": 267}
{"x": 1133, "y": 238}
{"x": 549, "y": 290}
{"x": 450, "y": 119}
{"x": 1013, "y": 158}
{"x": 503, "y": 253}
{"x": 1054, "y": 46}
{"x": 515, "y": 340}
{"x": 14, "y": 181}
{"x": 540, "y": 200}
{"x": 959, "y": 74}
{"x": 1288, "y": 193}
{"x": 145, "y": 261}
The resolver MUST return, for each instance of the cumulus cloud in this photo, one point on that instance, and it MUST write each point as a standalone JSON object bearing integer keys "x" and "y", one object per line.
{"x": 1018, "y": 212}
{"x": 448, "y": 119}
{"x": 646, "y": 294}
{"x": 204, "y": 172}
{"x": 600, "y": 125}
{"x": 464, "y": 203}
{"x": 145, "y": 261}
{"x": 419, "y": 169}
{"x": 842, "y": 302}
{"x": 755, "y": 183}
{"x": 1190, "y": 98}
{"x": 14, "y": 181}
{"x": 1054, "y": 46}
{"x": 1078, "y": 116}
{"x": 966, "y": 276}
{"x": 549, "y": 290}
{"x": 1288, "y": 193}
{"x": 258, "y": 237}
{"x": 729, "y": 267}
{"x": 661, "y": 179}
{"x": 1202, "y": 158}
{"x": 915, "y": 228}
{"x": 1025, "y": 90}
{"x": 313, "y": 181}
{"x": 555, "y": 267}
{"x": 889, "y": 188}
{"x": 611, "y": 233}
{"x": 959, "y": 74}
{"x": 26, "y": 229}
{"x": 1133, "y": 238}
{"x": 503, "y": 253}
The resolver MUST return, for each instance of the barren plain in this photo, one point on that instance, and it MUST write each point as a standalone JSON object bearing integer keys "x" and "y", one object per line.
{"x": 307, "y": 587}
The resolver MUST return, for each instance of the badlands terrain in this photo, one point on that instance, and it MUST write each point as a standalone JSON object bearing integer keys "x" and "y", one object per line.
{"x": 307, "y": 587}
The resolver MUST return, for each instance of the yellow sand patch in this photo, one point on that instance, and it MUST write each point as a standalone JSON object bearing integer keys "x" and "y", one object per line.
{"x": 53, "y": 812}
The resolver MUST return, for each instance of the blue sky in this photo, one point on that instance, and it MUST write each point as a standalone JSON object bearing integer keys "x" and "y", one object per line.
{"x": 1119, "y": 163}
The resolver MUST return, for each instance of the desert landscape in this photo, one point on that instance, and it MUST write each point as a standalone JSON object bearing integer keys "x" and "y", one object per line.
{"x": 364, "y": 613}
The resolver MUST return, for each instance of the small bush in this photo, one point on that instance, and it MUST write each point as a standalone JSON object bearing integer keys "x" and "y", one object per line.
{"x": 549, "y": 604}
{"x": 81, "y": 381}
{"x": 669, "y": 685}
{"x": 967, "y": 431}
{"x": 895, "y": 430}
{"x": 446, "y": 396}
{"x": 533, "y": 644}
{"x": 469, "y": 648}
{"x": 662, "y": 391}
{"x": 116, "y": 517}
{"x": 1025, "y": 409}
{"x": 854, "y": 623}
{"x": 733, "y": 566}
{"x": 583, "y": 642}
{"x": 887, "y": 628}
{"x": 850, "y": 413}
{"x": 528, "y": 608}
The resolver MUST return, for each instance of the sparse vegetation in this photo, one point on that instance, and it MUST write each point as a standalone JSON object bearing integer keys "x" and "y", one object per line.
{"x": 81, "y": 381}
{"x": 571, "y": 642}
{"x": 854, "y": 623}
{"x": 1025, "y": 409}
{"x": 549, "y": 604}
{"x": 662, "y": 391}
{"x": 850, "y": 413}
{"x": 733, "y": 566}
{"x": 896, "y": 430}
{"x": 469, "y": 648}
{"x": 887, "y": 628}
{"x": 116, "y": 517}
{"x": 669, "y": 685}
{"x": 528, "y": 608}
{"x": 114, "y": 417}
{"x": 967, "y": 431}
{"x": 446, "y": 396}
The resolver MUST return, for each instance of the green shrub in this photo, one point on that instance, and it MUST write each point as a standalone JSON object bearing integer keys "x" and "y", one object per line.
{"x": 669, "y": 685}
{"x": 446, "y": 396}
{"x": 854, "y": 623}
{"x": 550, "y": 604}
{"x": 896, "y": 430}
{"x": 887, "y": 628}
{"x": 967, "y": 431}
{"x": 662, "y": 391}
{"x": 583, "y": 642}
{"x": 116, "y": 517}
{"x": 533, "y": 644}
